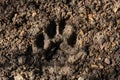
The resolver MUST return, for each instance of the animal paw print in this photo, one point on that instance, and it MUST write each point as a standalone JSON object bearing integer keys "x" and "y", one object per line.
{"x": 53, "y": 36}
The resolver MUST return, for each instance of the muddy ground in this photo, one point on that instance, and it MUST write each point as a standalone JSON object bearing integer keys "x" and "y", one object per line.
{"x": 59, "y": 39}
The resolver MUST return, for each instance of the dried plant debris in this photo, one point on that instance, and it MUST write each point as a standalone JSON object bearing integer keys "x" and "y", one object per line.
{"x": 59, "y": 40}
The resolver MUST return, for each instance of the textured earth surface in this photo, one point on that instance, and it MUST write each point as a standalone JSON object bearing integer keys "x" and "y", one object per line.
{"x": 59, "y": 39}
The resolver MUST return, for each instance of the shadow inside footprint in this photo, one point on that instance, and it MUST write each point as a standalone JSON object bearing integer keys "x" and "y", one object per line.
{"x": 51, "y": 29}
{"x": 39, "y": 40}
{"x": 72, "y": 39}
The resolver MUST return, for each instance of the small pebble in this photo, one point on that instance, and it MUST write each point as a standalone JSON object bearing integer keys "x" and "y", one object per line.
{"x": 101, "y": 66}
{"x": 81, "y": 78}
{"x": 94, "y": 66}
{"x": 22, "y": 33}
{"x": 107, "y": 61}
{"x": 33, "y": 14}
{"x": 90, "y": 16}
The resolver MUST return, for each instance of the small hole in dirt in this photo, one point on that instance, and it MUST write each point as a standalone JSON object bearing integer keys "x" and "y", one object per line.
{"x": 18, "y": 25}
{"x": 95, "y": 38}
{"x": 24, "y": 20}
{"x": 64, "y": 77}
{"x": 72, "y": 39}
{"x": 39, "y": 71}
{"x": 29, "y": 50}
{"x": 11, "y": 78}
{"x": 100, "y": 33}
{"x": 108, "y": 30}
{"x": 61, "y": 26}
{"x": 51, "y": 29}
{"x": 39, "y": 40}
{"x": 66, "y": 1}
{"x": 86, "y": 48}
{"x": 33, "y": 4}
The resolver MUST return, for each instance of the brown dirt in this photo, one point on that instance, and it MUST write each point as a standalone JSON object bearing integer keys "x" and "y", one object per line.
{"x": 59, "y": 40}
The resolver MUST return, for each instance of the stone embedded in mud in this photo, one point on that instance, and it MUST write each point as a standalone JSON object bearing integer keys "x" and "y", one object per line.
{"x": 116, "y": 6}
{"x": 94, "y": 66}
{"x": 81, "y": 78}
{"x": 22, "y": 33}
{"x": 33, "y": 14}
{"x": 90, "y": 16}
{"x": 107, "y": 61}
{"x": 101, "y": 66}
